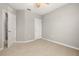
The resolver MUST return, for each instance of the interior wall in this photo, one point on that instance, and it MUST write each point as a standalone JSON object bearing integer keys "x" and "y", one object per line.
{"x": 0, "y": 29}
{"x": 62, "y": 25}
{"x": 25, "y": 25}
{"x": 20, "y": 21}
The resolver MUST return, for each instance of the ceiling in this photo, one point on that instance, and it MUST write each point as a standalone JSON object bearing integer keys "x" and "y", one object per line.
{"x": 40, "y": 11}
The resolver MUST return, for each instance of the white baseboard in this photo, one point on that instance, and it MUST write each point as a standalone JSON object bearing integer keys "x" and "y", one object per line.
{"x": 60, "y": 43}
{"x": 25, "y": 41}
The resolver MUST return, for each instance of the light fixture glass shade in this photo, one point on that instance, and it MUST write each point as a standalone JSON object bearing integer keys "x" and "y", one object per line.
{"x": 40, "y": 5}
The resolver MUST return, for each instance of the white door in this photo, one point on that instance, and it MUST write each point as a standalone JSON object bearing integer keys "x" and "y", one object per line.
{"x": 38, "y": 28}
{"x": 8, "y": 28}
{"x": 11, "y": 28}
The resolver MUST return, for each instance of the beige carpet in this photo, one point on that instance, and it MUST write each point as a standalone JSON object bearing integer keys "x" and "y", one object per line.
{"x": 38, "y": 48}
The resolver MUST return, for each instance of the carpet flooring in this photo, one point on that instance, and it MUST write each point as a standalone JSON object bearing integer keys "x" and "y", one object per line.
{"x": 38, "y": 47}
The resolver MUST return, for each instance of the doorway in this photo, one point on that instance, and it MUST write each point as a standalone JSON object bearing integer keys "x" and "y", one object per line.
{"x": 6, "y": 31}
{"x": 8, "y": 28}
{"x": 38, "y": 28}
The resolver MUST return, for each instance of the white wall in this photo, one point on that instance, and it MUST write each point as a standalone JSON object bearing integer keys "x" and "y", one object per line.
{"x": 20, "y": 22}
{"x": 0, "y": 28}
{"x": 62, "y": 25}
{"x": 25, "y": 25}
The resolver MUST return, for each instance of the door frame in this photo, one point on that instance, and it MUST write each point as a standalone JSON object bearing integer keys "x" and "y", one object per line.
{"x": 38, "y": 28}
{"x": 3, "y": 26}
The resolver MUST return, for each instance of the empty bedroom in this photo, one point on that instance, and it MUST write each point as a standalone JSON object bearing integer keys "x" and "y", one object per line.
{"x": 39, "y": 29}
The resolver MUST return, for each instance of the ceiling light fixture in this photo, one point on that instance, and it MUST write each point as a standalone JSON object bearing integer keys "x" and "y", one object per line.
{"x": 41, "y": 5}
